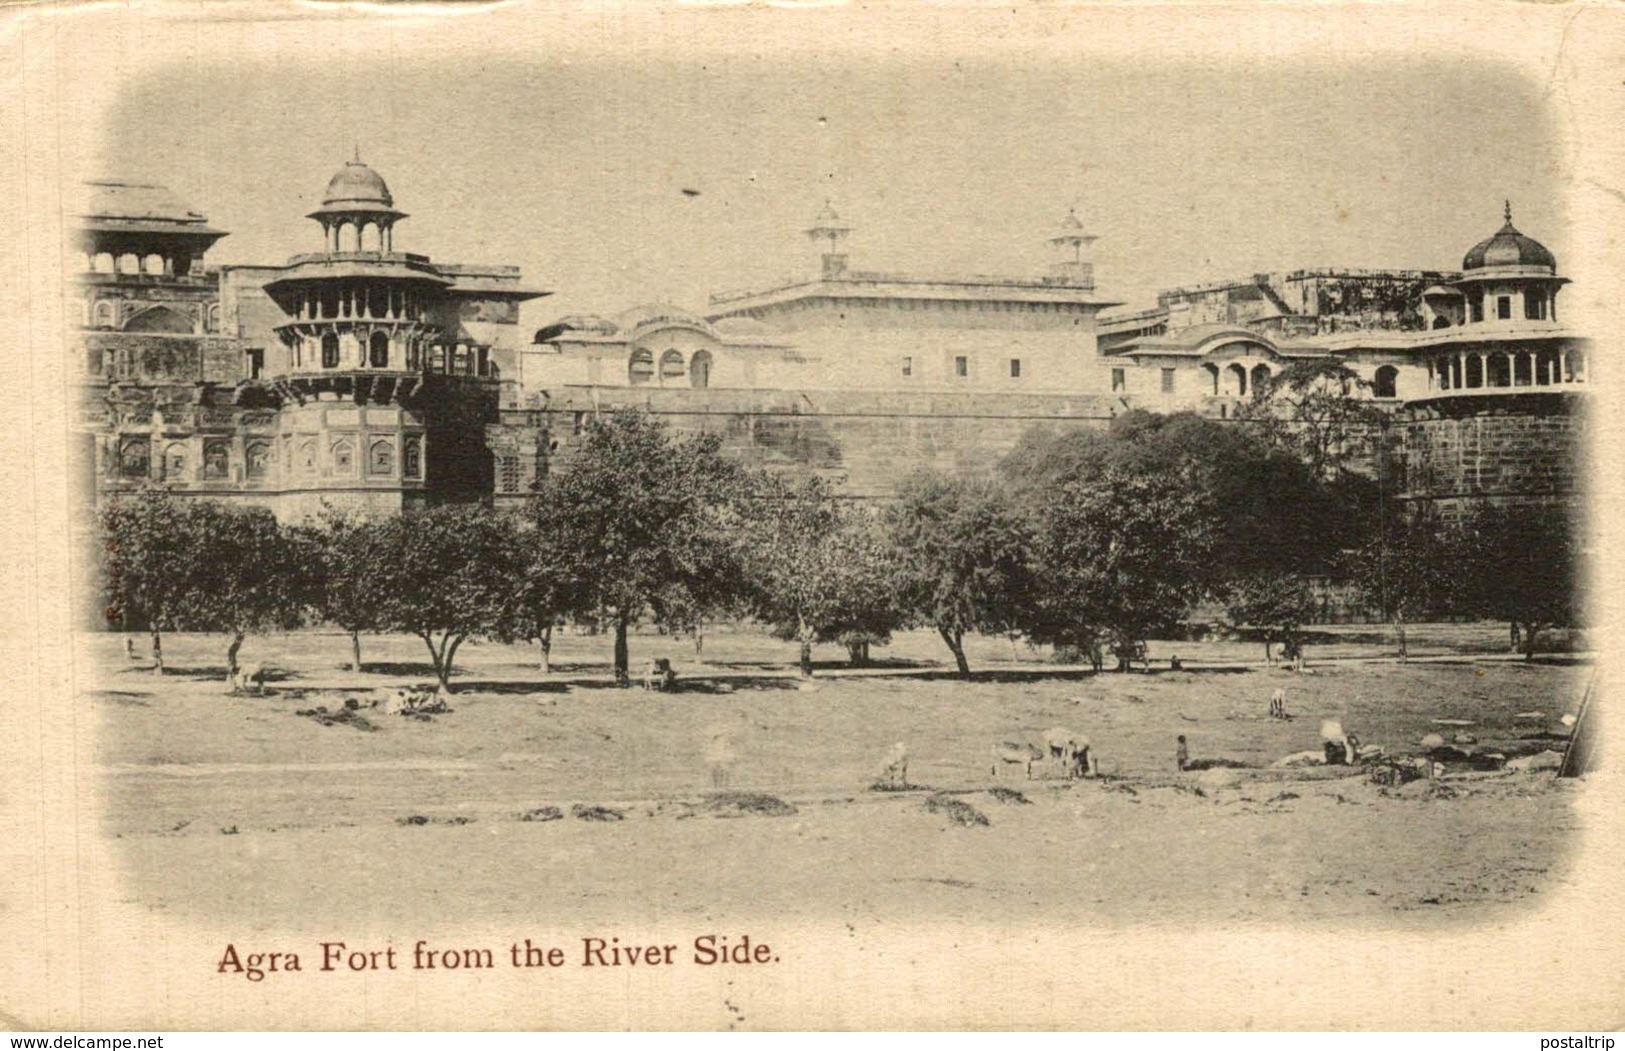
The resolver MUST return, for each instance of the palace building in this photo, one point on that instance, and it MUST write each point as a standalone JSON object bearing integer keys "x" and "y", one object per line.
{"x": 368, "y": 377}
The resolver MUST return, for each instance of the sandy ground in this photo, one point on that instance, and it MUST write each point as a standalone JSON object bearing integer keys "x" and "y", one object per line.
{"x": 238, "y": 806}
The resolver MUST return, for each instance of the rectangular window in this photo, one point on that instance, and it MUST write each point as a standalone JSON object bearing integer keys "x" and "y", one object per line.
{"x": 908, "y": 366}
{"x": 1534, "y": 306}
{"x": 256, "y": 362}
{"x": 1478, "y": 308}
{"x": 1015, "y": 368}
{"x": 1167, "y": 381}
{"x": 1503, "y": 307}
{"x": 961, "y": 366}
{"x": 1119, "y": 380}
{"x": 508, "y": 473}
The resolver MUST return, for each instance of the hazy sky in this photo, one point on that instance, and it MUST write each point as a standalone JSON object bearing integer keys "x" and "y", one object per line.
{"x": 575, "y": 168}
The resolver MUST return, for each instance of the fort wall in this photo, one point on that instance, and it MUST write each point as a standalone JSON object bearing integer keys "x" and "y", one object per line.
{"x": 1496, "y": 448}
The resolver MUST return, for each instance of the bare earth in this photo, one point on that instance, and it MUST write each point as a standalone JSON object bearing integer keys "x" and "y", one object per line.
{"x": 238, "y": 806}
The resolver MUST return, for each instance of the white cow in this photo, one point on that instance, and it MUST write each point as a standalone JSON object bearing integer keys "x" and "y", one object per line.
{"x": 895, "y": 771}
{"x": 1069, "y": 749}
{"x": 249, "y": 675}
{"x": 1015, "y": 752}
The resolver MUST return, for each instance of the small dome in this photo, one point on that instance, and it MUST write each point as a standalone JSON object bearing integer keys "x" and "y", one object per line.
{"x": 355, "y": 184}
{"x": 661, "y": 315}
{"x": 1509, "y": 248}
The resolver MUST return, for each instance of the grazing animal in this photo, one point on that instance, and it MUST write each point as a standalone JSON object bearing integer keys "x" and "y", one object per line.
{"x": 659, "y": 675}
{"x": 1069, "y": 749}
{"x": 1013, "y": 752}
{"x": 895, "y": 771}
{"x": 249, "y": 675}
{"x": 1278, "y": 704}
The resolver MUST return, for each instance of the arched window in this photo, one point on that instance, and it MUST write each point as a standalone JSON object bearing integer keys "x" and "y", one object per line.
{"x": 211, "y": 320}
{"x": 699, "y": 369}
{"x": 412, "y": 458}
{"x": 1475, "y": 371}
{"x": 671, "y": 365}
{"x": 379, "y": 349}
{"x": 175, "y": 462}
{"x": 133, "y": 456}
{"x": 1213, "y": 374}
{"x": 330, "y": 350}
{"x": 1260, "y": 379}
{"x": 381, "y": 458}
{"x": 258, "y": 458}
{"x": 1577, "y": 367}
{"x": 1236, "y": 380}
{"x": 104, "y": 263}
{"x": 641, "y": 368}
{"x": 216, "y": 458}
{"x": 343, "y": 458}
{"x": 104, "y": 314}
{"x": 152, "y": 263}
{"x": 307, "y": 456}
{"x": 129, "y": 263}
{"x": 1385, "y": 382}
{"x": 1441, "y": 322}
{"x": 1500, "y": 371}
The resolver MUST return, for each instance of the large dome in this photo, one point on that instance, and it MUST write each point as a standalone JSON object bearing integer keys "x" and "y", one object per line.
{"x": 1509, "y": 248}
{"x": 356, "y": 184}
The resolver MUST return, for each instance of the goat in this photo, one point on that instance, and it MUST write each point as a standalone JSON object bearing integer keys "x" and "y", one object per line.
{"x": 895, "y": 771}
{"x": 1070, "y": 750}
{"x": 249, "y": 675}
{"x": 1015, "y": 752}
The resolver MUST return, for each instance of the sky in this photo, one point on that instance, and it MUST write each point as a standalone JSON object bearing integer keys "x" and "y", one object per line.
{"x": 574, "y": 166}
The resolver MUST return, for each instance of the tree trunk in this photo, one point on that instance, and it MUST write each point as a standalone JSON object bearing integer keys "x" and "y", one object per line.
{"x": 1517, "y": 643}
{"x": 546, "y": 639}
{"x": 1269, "y": 658}
{"x": 854, "y": 653}
{"x": 956, "y": 643}
{"x": 699, "y": 642}
{"x": 446, "y": 665}
{"x": 231, "y": 657}
{"x": 157, "y": 652}
{"x": 1529, "y": 633}
{"x": 623, "y": 676}
{"x": 865, "y": 655}
{"x": 806, "y": 659}
{"x": 355, "y": 651}
{"x": 1399, "y": 623}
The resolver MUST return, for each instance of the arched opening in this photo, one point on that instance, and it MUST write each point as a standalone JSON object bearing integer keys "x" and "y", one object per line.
{"x": 1260, "y": 379}
{"x": 1439, "y": 373}
{"x": 671, "y": 365}
{"x": 211, "y": 318}
{"x": 175, "y": 462}
{"x": 104, "y": 263}
{"x": 1499, "y": 371}
{"x": 257, "y": 455}
{"x": 378, "y": 350}
{"x": 152, "y": 263}
{"x": 104, "y": 314}
{"x": 216, "y": 458}
{"x": 381, "y": 458}
{"x": 1386, "y": 382}
{"x": 699, "y": 369}
{"x": 641, "y": 369}
{"x": 1577, "y": 368}
{"x": 1475, "y": 371}
{"x": 133, "y": 458}
{"x": 1441, "y": 322}
{"x": 1213, "y": 375}
{"x": 1546, "y": 369}
{"x": 343, "y": 458}
{"x": 368, "y": 237}
{"x": 1235, "y": 380}
{"x": 412, "y": 458}
{"x": 160, "y": 319}
{"x": 1523, "y": 370}
{"x": 330, "y": 350}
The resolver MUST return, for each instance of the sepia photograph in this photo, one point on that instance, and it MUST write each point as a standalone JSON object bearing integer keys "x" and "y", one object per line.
{"x": 1034, "y": 519}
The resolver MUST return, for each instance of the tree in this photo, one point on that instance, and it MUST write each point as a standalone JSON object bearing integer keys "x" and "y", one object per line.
{"x": 1522, "y": 564}
{"x": 449, "y": 574}
{"x": 152, "y": 560}
{"x": 817, "y": 570}
{"x": 652, "y": 524}
{"x": 352, "y": 560}
{"x": 962, "y": 557}
{"x": 199, "y": 565}
{"x": 1276, "y": 604}
{"x": 1407, "y": 570}
{"x": 1119, "y": 557}
{"x": 550, "y": 580}
{"x": 1315, "y": 409}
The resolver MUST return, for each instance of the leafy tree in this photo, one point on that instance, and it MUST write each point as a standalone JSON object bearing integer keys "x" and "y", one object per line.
{"x": 1316, "y": 409}
{"x": 153, "y": 559}
{"x": 1522, "y": 564}
{"x": 1118, "y": 558}
{"x": 351, "y": 560}
{"x": 550, "y": 580}
{"x": 200, "y": 565}
{"x": 652, "y": 525}
{"x": 817, "y": 571}
{"x": 1277, "y": 604}
{"x": 449, "y": 576}
{"x": 1407, "y": 570}
{"x": 963, "y": 550}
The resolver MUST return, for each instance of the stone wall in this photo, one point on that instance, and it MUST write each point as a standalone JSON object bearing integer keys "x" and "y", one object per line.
{"x": 1497, "y": 448}
{"x": 866, "y": 442}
